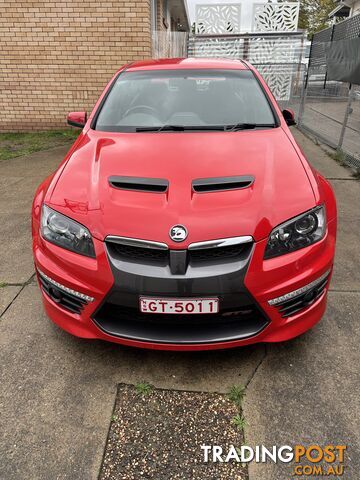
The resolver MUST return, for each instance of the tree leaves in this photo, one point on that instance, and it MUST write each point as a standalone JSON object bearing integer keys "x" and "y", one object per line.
{"x": 314, "y": 14}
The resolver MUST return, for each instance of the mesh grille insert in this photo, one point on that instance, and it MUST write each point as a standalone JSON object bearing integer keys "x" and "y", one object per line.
{"x": 139, "y": 253}
{"x": 163, "y": 257}
{"x": 231, "y": 251}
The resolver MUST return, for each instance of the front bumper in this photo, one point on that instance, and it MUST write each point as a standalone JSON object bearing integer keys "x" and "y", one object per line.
{"x": 244, "y": 287}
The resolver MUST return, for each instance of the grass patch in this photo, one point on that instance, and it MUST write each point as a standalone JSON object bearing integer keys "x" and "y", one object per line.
{"x": 24, "y": 143}
{"x": 339, "y": 157}
{"x": 356, "y": 174}
{"x": 143, "y": 388}
{"x": 239, "y": 421}
{"x": 3, "y": 284}
{"x": 236, "y": 394}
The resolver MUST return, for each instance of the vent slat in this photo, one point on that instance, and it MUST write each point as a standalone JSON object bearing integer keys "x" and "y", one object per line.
{"x": 139, "y": 184}
{"x": 218, "y": 184}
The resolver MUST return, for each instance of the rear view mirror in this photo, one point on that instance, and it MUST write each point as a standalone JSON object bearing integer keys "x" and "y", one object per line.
{"x": 77, "y": 119}
{"x": 289, "y": 116}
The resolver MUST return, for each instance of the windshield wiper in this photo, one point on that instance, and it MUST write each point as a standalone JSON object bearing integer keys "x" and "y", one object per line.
{"x": 226, "y": 128}
{"x": 180, "y": 128}
{"x": 163, "y": 128}
{"x": 247, "y": 126}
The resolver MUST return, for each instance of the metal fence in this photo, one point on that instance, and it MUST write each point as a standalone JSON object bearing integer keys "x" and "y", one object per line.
{"x": 330, "y": 110}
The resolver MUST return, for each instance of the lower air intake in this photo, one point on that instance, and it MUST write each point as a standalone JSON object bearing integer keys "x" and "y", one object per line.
{"x": 64, "y": 299}
{"x": 227, "y": 325}
{"x": 294, "y": 305}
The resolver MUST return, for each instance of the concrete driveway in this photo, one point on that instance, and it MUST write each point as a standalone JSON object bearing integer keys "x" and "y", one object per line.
{"x": 57, "y": 392}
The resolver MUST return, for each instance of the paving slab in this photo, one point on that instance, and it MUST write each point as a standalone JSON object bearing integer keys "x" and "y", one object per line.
{"x": 346, "y": 266}
{"x": 306, "y": 391}
{"x": 18, "y": 193}
{"x": 318, "y": 158}
{"x": 7, "y": 295}
{"x": 347, "y": 193}
{"x": 16, "y": 262}
{"x": 58, "y": 391}
{"x": 38, "y": 164}
{"x": 19, "y": 178}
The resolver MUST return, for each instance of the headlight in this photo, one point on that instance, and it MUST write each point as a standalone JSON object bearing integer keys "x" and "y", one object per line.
{"x": 66, "y": 233}
{"x": 299, "y": 232}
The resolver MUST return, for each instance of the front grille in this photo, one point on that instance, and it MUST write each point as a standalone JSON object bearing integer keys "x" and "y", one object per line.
{"x": 228, "y": 252}
{"x": 161, "y": 257}
{"x": 290, "y": 307}
{"x": 63, "y": 299}
{"x": 229, "y": 324}
{"x": 139, "y": 253}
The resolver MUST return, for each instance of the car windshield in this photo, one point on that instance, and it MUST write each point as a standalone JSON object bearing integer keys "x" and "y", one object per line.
{"x": 181, "y": 99}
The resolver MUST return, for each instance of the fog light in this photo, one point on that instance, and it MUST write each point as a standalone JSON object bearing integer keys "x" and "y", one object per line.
{"x": 55, "y": 295}
{"x": 65, "y": 289}
{"x": 310, "y": 296}
{"x": 299, "y": 291}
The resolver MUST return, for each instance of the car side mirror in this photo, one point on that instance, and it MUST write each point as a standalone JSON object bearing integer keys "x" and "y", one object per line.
{"x": 289, "y": 116}
{"x": 77, "y": 119}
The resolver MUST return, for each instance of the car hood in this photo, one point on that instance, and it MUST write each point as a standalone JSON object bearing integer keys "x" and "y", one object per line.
{"x": 281, "y": 188}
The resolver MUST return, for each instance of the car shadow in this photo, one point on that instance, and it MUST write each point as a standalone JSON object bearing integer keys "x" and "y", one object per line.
{"x": 214, "y": 370}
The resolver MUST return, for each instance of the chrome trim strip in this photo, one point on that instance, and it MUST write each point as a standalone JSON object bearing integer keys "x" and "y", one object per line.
{"x": 136, "y": 242}
{"x": 221, "y": 242}
{"x": 65, "y": 289}
{"x": 299, "y": 291}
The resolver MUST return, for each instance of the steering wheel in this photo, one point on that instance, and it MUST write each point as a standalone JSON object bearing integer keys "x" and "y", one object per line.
{"x": 141, "y": 107}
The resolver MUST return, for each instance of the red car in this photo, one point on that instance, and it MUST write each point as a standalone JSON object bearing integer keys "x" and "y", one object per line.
{"x": 185, "y": 216}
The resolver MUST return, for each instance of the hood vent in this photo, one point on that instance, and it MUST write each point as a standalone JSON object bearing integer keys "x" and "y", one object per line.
{"x": 139, "y": 184}
{"x": 218, "y": 184}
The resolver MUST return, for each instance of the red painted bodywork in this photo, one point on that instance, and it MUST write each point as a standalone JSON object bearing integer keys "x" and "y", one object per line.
{"x": 77, "y": 119}
{"x": 286, "y": 185}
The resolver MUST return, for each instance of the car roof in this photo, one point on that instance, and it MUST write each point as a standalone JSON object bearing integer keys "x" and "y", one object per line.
{"x": 188, "y": 63}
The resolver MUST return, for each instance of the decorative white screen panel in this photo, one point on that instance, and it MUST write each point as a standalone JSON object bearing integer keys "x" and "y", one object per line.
{"x": 218, "y": 18}
{"x": 275, "y": 17}
{"x": 275, "y": 50}
{"x": 217, "y": 47}
{"x": 277, "y": 57}
{"x": 279, "y": 80}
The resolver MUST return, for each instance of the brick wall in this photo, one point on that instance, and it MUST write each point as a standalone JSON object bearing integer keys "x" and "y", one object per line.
{"x": 57, "y": 56}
